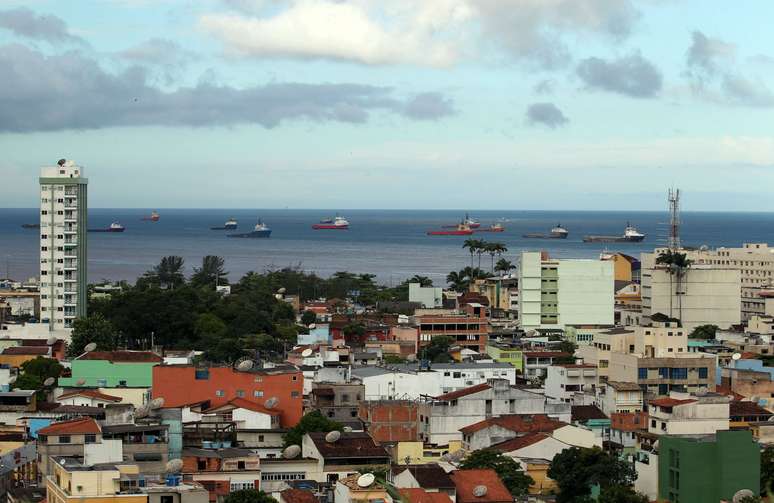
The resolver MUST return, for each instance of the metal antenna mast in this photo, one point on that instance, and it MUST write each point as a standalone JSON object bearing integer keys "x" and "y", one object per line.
{"x": 674, "y": 221}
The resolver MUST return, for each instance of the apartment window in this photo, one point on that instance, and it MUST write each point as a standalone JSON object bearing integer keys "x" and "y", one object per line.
{"x": 703, "y": 373}
{"x": 678, "y": 373}
{"x": 240, "y": 393}
{"x": 220, "y": 393}
{"x": 240, "y": 465}
{"x": 258, "y": 393}
{"x": 202, "y": 374}
{"x": 294, "y": 394}
{"x": 122, "y": 383}
{"x": 294, "y": 378}
{"x": 642, "y": 373}
{"x": 260, "y": 438}
{"x": 242, "y": 484}
{"x": 457, "y": 375}
{"x": 101, "y": 383}
{"x": 663, "y": 372}
{"x": 91, "y": 439}
{"x": 167, "y": 499}
{"x": 201, "y": 464}
{"x": 345, "y": 398}
{"x": 64, "y": 439}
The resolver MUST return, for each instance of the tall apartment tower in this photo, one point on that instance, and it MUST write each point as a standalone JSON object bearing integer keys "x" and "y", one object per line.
{"x": 62, "y": 244}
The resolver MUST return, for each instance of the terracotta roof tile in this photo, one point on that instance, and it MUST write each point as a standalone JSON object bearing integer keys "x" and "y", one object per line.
{"x": 91, "y": 393}
{"x": 586, "y": 412}
{"x": 349, "y": 445}
{"x": 430, "y": 475}
{"x": 241, "y": 403}
{"x": 738, "y": 408}
{"x": 81, "y": 425}
{"x": 298, "y": 496}
{"x": 123, "y": 356}
{"x": 453, "y": 395}
{"x": 466, "y": 480}
{"x": 27, "y": 350}
{"x": 517, "y": 443}
{"x": 520, "y": 423}
{"x": 419, "y": 495}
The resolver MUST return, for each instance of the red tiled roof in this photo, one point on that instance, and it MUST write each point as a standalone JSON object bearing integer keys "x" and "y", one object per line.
{"x": 429, "y": 476}
{"x": 79, "y": 426}
{"x": 91, "y": 393}
{"x": 738, "y": 408}
{"x": 747, "y": 355}
{"x": 298, "y": 496}
{"x": 123, "y": 356}
{"x": 545, "y": 354}
{"x": 726, "y": 390}
{"x": 349, "y": 445}
{"x": 586, "y": 412}
{"x": 517, "y": 443}
{"x": 521, "y": 423}
{"x": 419, "y": 495}
{"x": 463, "y": 392}
{"x": 26, "y": 350}
{"x": 466, "y": 480}
{"x": 669, "y": 402}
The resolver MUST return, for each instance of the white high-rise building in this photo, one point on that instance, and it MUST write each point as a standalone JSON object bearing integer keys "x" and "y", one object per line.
{"x": 63, "y": 217}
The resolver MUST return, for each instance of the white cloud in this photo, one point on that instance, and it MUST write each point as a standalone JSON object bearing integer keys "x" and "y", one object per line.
{"x": 434, "y": 33}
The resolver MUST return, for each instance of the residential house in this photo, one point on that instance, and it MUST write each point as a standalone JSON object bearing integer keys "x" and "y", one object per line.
{"x": 616, "y": 397}
{"x": 592, "y": 418}
{"x": 467, "y": 482}
{"x": 468, "y": 327}
{"x": 349, "y": 490}
{"x": 683, "y": 372}
{"x": 66, "y": 438}
{"x": 742, "y": 414}
{"x": 624, "y": 427}
{"x": 420, "y": 495}
{"x": 246, "y": 415}
{"x": 429, "y": 297}
{"x": 391, "y": 420}
{"x": 430, "y": 477}
{"x": 504, "y": 352}
{"x": 536, "y": 363}
{"x": 494, "y": 430}
{"x": 683, "y": 414}
{"x": 293, "y": 495}
{"x": 72, "y": 481}
{"x": 145, "y": 445}
{"x": 87, "y": 398}
{"x": 564, "y": 380}
{"x": 340, "y": 458}
{"x": 185, "y": 384}
{"x": 222, "y": 471}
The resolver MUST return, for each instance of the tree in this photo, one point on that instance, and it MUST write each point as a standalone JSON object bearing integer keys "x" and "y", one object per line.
{"x": 312, "y": 421}
{"x": 35, "y": 372}
{"x": 393, "y": 359}
{"x": 494, "y": 249}
{"x": 504, "y": 266}
{"x": 621, "y": 494}
{"x": 569, "y": 347}
{"x": 767, "y": 470}
{"x": 354, "y": 332}
{"x": 704, "y": 332}
{"x": 168, "y": 273}
{"x": 507, "y": 469}
{"x": 438, "y": 349}
{"x": 677, "y": 264}
{"x": 212, "y": 272}
{"x": 457, "y": 281}
{"x": 472, "y": 246}
{"x": 94, "y": 328}
{"x": 308, "y": 317}
{"x": 248, "y": 496}
{"x": 577, "y": 469}
{"x": 423, "y": 281}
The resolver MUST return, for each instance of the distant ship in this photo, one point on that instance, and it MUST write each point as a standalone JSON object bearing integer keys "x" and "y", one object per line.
{"x": 338, "y": 223}
{"x": 557, "y": 232}
{"x": 462, "y": 229}
{"x": 114, "y": 227}
{"x": 153, "y": 217}
{"x": 261, "y": 230}
{"x": 493, "y": 228}
{"x": 230, "y": 225}
{"x": 630, "y": 235}
{"x": 31, "y": 226}
{"x": 470, "y": 222}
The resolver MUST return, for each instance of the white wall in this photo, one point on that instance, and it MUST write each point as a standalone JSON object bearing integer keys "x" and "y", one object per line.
{"x": 249, "y": 419}
{"x": 430, "y": 297}
{"x": 586, "y": 293}
{"x": 109, "y": 451}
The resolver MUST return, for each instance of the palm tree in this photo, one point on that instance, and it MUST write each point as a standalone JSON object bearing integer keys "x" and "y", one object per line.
{"x": 211, "y": 272}
{"x": 678, "y": 264}
{"x": 422, "y": 280}
{"x": 504, "y": 266}
{"x": 480, "y": 249}
{"x": 168, "y": 273}
{"x": 457, "y": 281}
{"x": 495, "y": 249}
{"x": 471, "y": 245}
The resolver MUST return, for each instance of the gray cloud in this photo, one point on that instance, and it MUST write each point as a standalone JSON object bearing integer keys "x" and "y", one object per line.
{"x": 429, "y": 106}
{"x": 546, "y": 114}
{"x": 632, "y": 76}
{"x": 158, "y": 51}
{"x": 26, "y": 23}
{"x": 544, "y": 87}
{"x": 71, "y": 91}
{"x": 711, "y": 68}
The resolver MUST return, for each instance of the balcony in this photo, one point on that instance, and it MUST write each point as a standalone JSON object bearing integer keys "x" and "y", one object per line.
{"x": 71, "y": 216}
{"x": 70, "y": 264}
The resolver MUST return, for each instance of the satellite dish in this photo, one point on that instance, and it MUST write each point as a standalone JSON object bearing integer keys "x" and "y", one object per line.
{"x": 157, "y": 403}
{"x": 90, "y": 347}
{"x": 141, "y": 412}
{"x": 51, "y": 340}
{"x": 174, "y": 465}
{"x": 347, "y": 429}
{"x": 271, "y": 402}
{"x": 306, "y": 353}
{"x": 736, "y": 356}
{"x": 62, "y": 462}
{"x": 291, "y": 451}
{"x": 479, "y": 491}
{"x": 81, "y": 381}
{"x": 278, "y": 296}
{"x": 49, "y": 382}
{"x": 245, "y": 365}
{"x": 281, "y": 290}
{"x": 532, "y": 333}
{"x": 741, "y": 495}
{"x": 366, "y": 479}
{"x": 333, "y": 436}
{"x": 312, "y": 325}
{"x": 704, "y": 248}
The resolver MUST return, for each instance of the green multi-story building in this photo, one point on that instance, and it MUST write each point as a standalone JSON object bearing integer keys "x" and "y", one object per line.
{"x": 112, "y": 369}
{"x": 707, "y": 468}
{"x": 502, "y": 353}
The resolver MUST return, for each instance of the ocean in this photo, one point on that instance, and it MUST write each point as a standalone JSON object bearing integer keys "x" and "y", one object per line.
{"x": 392, "y": 244}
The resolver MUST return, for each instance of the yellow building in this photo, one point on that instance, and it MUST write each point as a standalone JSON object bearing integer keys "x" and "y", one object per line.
{"x": 538, "y": 470}
{"x": 625, "y": 267}
{"x": 71, "y": 481}
{"x": 418, "y": 453}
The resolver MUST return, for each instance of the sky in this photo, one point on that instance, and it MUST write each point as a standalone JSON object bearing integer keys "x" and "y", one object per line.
{"x": 469, "y": 104}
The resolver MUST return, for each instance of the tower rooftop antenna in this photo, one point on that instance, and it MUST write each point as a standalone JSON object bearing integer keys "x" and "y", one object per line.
{"x": 674, "y": 219}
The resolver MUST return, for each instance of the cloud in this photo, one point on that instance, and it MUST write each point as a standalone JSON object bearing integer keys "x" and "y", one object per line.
{"x": 544, "y": 87}
{"x": 711, "y": 68}
{"x": 429, "y": 106}
{"x": 71, "y": 91}
{"x": 546, "y": 114}
{"x": 158, "y": 51}
{"x": 26, "y": 23}
{"x": 435, "y": 33}
{"x": 631, "y": 75}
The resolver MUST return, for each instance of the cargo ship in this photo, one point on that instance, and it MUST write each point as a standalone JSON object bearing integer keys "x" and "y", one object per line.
{"x": 261, "y": 230}
{"x": 114, "y": 227}
{"x": 557, "y": 232}
{"x": 153, "y": 217}
{"x": 338, "y": 223}
{"x": 493, "y": 228}
{"x": 462, "y": 229}
{"x": 230, "y": 225}
{"x": 470, "y": 222}
{"x": 630, "y": 235}
{"x": 30, "y": 226}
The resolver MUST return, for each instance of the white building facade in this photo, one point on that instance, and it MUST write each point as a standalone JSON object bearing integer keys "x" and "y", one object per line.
{"x": 63, "y": 244}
